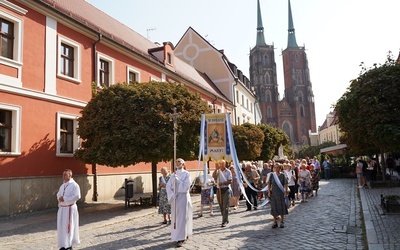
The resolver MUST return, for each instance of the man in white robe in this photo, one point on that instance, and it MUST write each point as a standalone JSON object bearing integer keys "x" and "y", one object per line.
{"x": 67, "y": 216}
{"x": 181, "y": 204}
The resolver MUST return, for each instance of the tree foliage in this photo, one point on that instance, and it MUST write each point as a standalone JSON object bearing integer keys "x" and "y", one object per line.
{"x": 369, "y": 112}
{"x": 311, "y": 151}
{"x": 127, "y": 124}
{"x": 273, "y": 138}
{"x": 248, "y": 141}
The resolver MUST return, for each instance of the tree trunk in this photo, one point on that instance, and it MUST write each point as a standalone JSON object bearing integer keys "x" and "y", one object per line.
{"x": 94, "y": 171}
{"x": 154, "y": 180}
{"x": 383, "y": 165}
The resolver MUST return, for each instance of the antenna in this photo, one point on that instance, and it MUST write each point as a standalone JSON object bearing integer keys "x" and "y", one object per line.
{"x": 150, "y": 29}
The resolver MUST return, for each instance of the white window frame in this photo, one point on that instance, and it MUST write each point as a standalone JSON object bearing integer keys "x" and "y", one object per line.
{"x": 111, "y": 64}
{"x": 77, "y": 59}
{"x": 76, "y": 140}
{"x": 15, "y": 131}
{"x": 153, "y": 79}
{"x": 16, "y": 62}
{"x": 132, "y": 70}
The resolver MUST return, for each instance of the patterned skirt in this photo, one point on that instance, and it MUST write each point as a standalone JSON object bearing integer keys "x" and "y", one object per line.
{"x": 205, "y": 196}
{"x": 164, "y": 206}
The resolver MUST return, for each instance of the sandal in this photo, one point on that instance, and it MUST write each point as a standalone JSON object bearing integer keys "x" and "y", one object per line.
{"x": 275, "y": 225}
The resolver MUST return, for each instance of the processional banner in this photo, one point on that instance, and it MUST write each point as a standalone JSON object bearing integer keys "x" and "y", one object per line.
{"x": 215, "y": 137}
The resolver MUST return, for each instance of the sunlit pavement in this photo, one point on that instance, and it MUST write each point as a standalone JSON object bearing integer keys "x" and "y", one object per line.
{"x": 331, "y": 220}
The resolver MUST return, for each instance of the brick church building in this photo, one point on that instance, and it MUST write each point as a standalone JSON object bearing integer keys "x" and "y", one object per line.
{"x": 295, "y": 112}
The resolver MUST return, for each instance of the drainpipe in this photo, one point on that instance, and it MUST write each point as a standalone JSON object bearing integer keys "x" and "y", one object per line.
{"x": 234, "y": 97}
{"x": 94, "y": 165}
{"x": 213, "y": 102}
{"x": 95, "y": 58}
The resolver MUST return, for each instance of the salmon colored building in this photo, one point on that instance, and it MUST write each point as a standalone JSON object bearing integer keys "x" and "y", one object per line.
{"x": 53, "y": 54}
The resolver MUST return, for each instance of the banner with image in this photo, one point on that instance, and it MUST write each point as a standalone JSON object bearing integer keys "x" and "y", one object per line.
{"x": 215, "y": 140}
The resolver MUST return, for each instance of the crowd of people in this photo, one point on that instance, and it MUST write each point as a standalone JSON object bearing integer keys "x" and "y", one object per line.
{"x": 279, "y": 184}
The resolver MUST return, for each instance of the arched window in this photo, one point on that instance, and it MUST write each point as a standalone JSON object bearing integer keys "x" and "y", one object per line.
{"x": 267, "y": 78}
{"x": 268, "y": 96}
{"x": 300, "y": 96}
{"x": 301, "y": 111}
{"x": 286, "y": 126}
{"x": 266, "y": 60}
{"x": 269, "y": 112}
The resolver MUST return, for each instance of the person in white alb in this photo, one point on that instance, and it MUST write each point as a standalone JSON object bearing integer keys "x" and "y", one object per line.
{"x": 67, "y": 216}
{"x": 181, "y": 205}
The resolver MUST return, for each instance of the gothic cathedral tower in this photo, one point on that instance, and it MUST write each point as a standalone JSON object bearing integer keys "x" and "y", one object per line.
{"x": 263, "y": 75}
{"x": 295, "y": 113}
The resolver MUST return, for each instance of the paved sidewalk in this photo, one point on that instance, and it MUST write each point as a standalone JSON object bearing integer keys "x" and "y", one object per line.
{"x": 331, "y": 220}
{"x": 382, "y": 229}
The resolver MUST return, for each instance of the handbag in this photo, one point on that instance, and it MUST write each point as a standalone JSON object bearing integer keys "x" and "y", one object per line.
{"x": 287, "y": 202}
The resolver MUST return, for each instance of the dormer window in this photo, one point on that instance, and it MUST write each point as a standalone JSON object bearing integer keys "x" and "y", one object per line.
{"x": 169, "y": 58}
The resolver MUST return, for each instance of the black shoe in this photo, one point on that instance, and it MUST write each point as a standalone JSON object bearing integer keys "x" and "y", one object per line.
{"x": 179, "y": 243}
{"x": 282, "y": 225}
{"x": 275, "y": 225}
{"x": 223, "y": 224}
{"x": 249, "y": 209}
{"x": 165, "y": 222}
{"x": 255, "y": 208}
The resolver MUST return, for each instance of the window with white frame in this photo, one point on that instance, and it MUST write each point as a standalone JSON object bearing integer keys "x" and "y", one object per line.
{"x": 7, "y": 38}
{"x": 10, "y": 37}
{"x": 10, "y": 123}
{"x": 69, "y": 59}
{"x": 105, "y": 67}
{"x": 67, "y": 138}
{"x": 132, "y": 75}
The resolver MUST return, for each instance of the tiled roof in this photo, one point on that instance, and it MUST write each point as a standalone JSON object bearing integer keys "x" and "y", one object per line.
{"x": 93, "y": 18}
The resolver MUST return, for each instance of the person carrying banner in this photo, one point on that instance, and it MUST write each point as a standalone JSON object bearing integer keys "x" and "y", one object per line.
{"x": 181, "y": 205}
{"x": 224, "y": 179}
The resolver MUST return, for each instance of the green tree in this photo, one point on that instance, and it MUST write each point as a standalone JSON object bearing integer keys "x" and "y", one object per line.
{"x": 312, "y": 151}
{"x": 248, "y": 141}
{"x": 369, "y": 112}
{"x": 273, "y": 138}
{"x": 127, "y": 124}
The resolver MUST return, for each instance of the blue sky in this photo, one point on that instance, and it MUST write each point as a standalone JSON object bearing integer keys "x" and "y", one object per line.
{"x": 338, "y": 35}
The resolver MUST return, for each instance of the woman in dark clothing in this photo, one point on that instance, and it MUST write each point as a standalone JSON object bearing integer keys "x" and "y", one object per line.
{"x": 277, "y": 193}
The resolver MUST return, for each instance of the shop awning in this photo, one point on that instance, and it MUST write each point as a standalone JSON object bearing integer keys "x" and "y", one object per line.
{"x": 334, "y": 150}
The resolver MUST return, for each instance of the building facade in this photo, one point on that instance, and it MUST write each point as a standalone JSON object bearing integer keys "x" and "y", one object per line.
{"x": 54, "y": 54}
{"x": 198, "y": 52}
{"x": 295, "y": 112}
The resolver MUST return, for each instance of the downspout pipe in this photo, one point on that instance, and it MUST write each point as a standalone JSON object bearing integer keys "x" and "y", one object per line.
{"x": 234, "y": 99}
{"x": 213, "y": 102}
{"x": 94, "y": 79}
{"x": 94, "y": 165}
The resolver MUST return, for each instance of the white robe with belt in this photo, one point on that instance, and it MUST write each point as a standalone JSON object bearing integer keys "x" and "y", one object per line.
{"x": 178, "y": 188}
{"x": 67, "y": 216}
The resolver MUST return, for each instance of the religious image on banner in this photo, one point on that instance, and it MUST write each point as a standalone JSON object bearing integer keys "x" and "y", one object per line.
{"x": 215, "y": 137}
{"x": 216, "y": 133}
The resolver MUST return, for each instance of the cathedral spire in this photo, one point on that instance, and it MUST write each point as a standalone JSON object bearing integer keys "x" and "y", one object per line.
{"x": 291, "y": 37}
{"x": 260, "y": 28}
